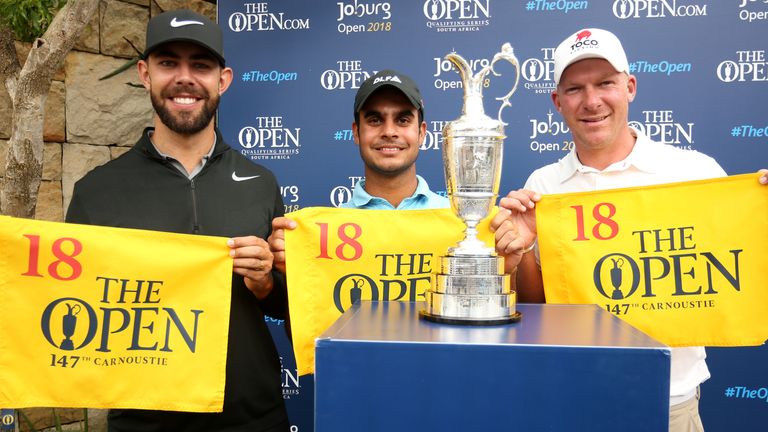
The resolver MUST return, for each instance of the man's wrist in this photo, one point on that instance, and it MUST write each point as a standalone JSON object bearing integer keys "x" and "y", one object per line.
{"x": 261, "y": 287}
{"x": 528, "y": 248}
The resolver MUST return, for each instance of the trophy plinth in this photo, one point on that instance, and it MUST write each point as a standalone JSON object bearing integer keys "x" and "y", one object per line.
{"x": 471, "y": 287}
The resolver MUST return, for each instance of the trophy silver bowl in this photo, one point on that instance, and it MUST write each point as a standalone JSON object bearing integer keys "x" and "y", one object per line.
{"x": 471, "y": 287}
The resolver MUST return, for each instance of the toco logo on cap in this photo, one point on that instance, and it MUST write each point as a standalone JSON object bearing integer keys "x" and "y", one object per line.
{"x": 392, "y": 78}
{"x": 590, "y": 43}
{"x": 184, "y": 26}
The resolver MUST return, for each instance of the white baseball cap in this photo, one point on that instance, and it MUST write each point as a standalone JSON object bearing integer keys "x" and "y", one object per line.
{"x": 590, "y": 43}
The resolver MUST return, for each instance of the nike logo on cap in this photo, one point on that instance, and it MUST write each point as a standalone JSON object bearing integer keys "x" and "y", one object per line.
{"x": 177, "y": 23}
{"x": 237, "y": 178}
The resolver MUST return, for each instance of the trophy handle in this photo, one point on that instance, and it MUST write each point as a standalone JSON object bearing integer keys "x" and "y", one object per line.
{"x": 472, "y": 84}
{"x": 473, "y": 93}
{"x": 462, "y": 66}
{"x": 508, "y": 54}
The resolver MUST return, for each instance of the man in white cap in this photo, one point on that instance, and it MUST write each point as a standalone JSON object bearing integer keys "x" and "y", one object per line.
{"x": 594, "y": 89}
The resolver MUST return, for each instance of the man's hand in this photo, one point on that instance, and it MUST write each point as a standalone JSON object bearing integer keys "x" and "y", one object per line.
{"x": 764, "y": 177}
{"x": 515, "y": 225}
{"x": 277, "y": 240}
{"x": 252, "y": 259}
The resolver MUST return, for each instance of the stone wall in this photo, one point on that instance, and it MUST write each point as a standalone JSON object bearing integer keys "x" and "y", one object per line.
{"x": 89, "y": 122}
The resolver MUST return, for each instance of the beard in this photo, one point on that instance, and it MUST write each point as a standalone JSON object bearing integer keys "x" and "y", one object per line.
{"x": 185, "y": 122}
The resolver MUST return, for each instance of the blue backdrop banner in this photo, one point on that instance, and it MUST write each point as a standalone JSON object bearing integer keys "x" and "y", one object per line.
{"x": 702, "y": 85}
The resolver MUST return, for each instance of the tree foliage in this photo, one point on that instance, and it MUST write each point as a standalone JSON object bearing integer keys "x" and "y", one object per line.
{"x": 28, "y": 19}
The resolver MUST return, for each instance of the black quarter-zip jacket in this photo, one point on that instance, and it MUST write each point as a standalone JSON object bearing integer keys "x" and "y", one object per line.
{"x": 230, "y": 197}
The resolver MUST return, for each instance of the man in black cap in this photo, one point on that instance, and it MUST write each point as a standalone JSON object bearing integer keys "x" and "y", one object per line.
{"x": 182, "y": 177}
{"x": 388, "y": 129}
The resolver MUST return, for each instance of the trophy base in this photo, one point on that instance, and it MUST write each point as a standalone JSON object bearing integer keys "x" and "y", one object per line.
{"x": 466, "y": 308}
{"x": 471, "y": 290}
{"x": 472, "y": 322}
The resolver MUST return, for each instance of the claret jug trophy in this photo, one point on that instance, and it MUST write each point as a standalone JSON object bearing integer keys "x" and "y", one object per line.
{"x": 471, "y": 287}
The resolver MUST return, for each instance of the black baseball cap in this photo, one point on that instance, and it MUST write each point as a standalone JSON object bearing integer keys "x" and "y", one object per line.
{"x": 389, "y": 77}
{"x": 184, "y": 26}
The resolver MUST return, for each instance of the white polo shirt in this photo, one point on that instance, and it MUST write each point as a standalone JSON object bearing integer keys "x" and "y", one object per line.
{"x": 649, "y": 163}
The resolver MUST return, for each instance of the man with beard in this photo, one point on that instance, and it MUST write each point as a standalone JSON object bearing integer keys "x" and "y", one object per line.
{"x": 182, "y": 177}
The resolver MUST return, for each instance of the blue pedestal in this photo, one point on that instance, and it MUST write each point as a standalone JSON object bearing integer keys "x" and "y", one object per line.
{"x": 562, "y": 368}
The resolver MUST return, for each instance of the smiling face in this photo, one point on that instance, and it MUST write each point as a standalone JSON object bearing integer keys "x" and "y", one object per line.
{"x": 389, "y": 133}
{"x": 185, "y": 82}
{"x": 594, "y": 101}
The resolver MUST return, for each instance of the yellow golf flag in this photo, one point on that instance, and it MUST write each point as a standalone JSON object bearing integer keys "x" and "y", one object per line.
{"x": 112, "y": 318}
{"x": 683, "y": 262}
{"x": 338, "y": 256}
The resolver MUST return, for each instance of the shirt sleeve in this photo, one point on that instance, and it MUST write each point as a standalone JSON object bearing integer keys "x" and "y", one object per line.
{"x": 276, "y": 303}
{"x": 76, "y": 212}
